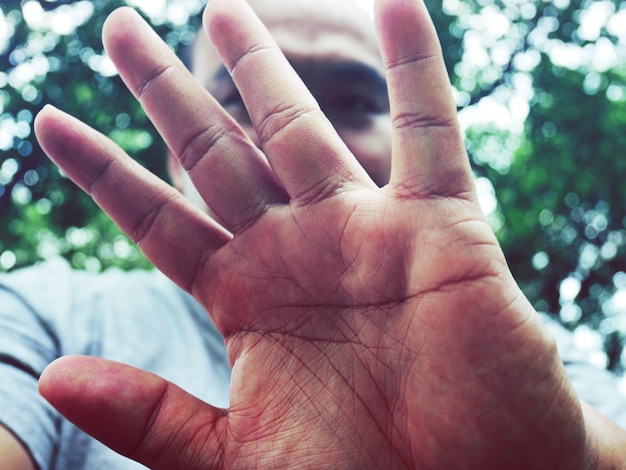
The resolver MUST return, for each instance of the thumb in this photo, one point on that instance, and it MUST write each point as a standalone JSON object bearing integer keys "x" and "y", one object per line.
{"x": 135, "y": 413}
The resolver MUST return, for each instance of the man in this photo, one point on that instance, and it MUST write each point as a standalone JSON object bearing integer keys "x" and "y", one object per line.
{"x": 365, "y": 326}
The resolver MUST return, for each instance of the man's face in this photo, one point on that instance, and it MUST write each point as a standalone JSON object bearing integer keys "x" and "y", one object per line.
{"x": 332, "y": 46}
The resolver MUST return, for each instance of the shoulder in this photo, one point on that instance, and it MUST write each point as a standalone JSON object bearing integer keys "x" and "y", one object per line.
{"x": 57, "y": 310}
{"x": 53, "y": 286}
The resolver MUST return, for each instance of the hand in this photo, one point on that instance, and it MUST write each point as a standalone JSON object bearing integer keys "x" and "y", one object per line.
{"x": 367, "y": 327}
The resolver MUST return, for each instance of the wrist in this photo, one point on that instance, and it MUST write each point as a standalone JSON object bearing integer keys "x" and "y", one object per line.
{"x": 606, "y": 441}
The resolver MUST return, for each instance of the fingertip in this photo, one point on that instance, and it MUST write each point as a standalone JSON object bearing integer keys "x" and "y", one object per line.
{"x": 57, "y": 131}
{"x": 59, "y": 378}
{"x": 45, "y": 114}
{"x": 49, "y": 127}
{"x": 115, "y": 22}
{"x": 403, "y": 23}
{"x": 134, "y": 412}
{"x": 46, "y": 380}
{"x": 120, "y": 31}
{"x": 214, "y": 16}
{"x": 80, "y": 386}
{"x": 230, "y": 26}
{"x": 41, "y": 119}
{"x": 210, "y": 11}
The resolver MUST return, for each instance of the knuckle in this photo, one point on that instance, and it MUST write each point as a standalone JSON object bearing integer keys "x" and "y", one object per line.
{"x": 149, "y": 80}
{"x": 146, "y": 224}
{"x": 144, "y": 441}
{"x": 278, "y": 119}
{"x": 203, "y": 143}
{"x": 247, "y": 54}
{"x": 410, "y": 60}
{"x": 98, "y": 176}
{"x": 422, "y": 120}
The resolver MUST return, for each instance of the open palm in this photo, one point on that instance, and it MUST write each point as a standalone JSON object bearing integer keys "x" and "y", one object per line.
{"x": 367, "y": 327}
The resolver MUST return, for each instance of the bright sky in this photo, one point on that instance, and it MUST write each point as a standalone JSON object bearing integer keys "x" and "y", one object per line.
{"x": 176, "y": 13}
{"x": 367, "y": 5}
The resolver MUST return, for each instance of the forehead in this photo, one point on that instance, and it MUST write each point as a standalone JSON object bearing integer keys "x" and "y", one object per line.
{"x": 332, "y": 30}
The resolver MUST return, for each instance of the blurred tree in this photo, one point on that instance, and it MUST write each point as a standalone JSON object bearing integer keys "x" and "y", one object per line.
{"x": 51, "y": 52}
{"x": 541, "y": 91}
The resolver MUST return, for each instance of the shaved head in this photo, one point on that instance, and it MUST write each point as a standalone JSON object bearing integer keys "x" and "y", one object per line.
{"x": 328, "y": 28}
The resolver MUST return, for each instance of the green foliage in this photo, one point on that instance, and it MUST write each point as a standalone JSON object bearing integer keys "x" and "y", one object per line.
{"x": 41, "y": 212}
{"x": 559, "y": 180}
{"x": 541, "y": 91}
{"x": 565, "y": 218}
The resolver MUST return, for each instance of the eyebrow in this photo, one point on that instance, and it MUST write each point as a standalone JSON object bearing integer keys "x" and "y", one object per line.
{"x": 352, "y": 71}
{"x": 355, "y": 72}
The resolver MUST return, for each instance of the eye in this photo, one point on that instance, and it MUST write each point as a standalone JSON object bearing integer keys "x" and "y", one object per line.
{"x": 353, "y": 109}
{"x": 351, "y": 103}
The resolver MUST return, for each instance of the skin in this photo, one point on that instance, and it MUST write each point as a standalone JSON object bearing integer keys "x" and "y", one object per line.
{"x": 367, "y": 327}
{"x": 348, "y": 38}
{"x": 12, "y": 453}
{"x": 342, "y": 68}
